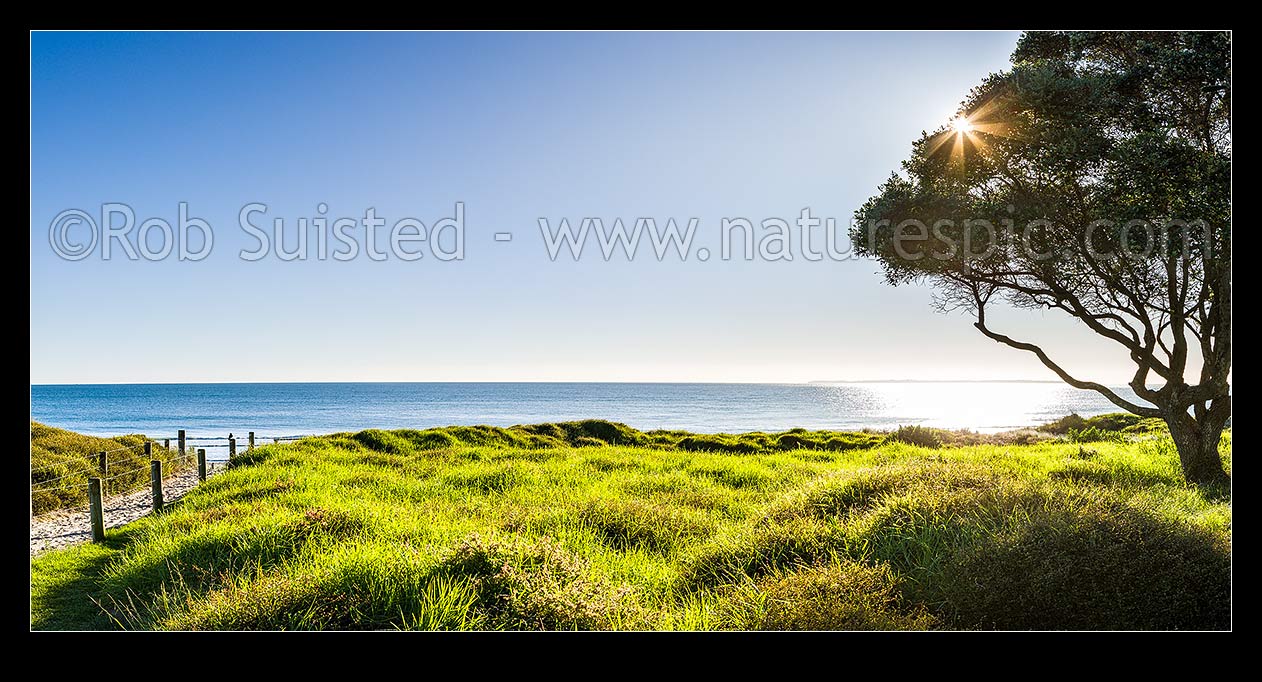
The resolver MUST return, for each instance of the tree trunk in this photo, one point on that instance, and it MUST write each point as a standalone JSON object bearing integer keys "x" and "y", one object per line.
{"x": 1197, "y": 443}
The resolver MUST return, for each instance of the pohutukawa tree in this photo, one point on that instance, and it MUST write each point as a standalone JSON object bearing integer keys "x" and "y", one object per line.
{"x": 1092, "y": 178}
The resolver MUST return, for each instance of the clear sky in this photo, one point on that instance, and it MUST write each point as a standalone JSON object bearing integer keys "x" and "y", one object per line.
{"x": 517, "y": 127}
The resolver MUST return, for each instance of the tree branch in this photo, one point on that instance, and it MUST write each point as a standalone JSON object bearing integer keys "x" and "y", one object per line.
{"x": 1065, "y": 376}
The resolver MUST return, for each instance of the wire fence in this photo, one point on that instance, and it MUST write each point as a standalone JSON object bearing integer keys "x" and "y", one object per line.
{"x": 77, "y": 459}
{"x": 68, "y": 478}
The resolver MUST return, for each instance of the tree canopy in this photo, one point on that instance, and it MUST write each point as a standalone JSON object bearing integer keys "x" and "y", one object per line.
{"x": 1094, "y": 178}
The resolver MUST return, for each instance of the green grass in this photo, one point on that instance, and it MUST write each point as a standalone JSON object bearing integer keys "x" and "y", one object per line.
{"x": 592, "y": 525}
{"x": 62, "y": 461}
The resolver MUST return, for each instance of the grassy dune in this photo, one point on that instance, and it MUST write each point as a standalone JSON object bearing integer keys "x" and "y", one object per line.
{"x": 62, "y": 461}
{"x": 593, "y": 525}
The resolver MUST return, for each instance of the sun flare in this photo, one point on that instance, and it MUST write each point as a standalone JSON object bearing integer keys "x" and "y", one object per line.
{"x": 966, "y": 132}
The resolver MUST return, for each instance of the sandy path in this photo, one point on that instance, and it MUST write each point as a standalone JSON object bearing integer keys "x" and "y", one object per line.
{"x": 67, "y": 527}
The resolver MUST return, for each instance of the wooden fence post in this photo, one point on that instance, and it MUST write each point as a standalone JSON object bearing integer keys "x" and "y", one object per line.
{"x": 181, "y": 439}
{"x": 232, "y": 448}
{"x": 149, "y": 449}
{"x": 251, "y": 446}
{"x": 95, "y": 514}
{"x": 155, "y": 480}
{"x": 103, "y": 467}
{"x": 166, "y": 443}
{"x": 201, "y": 464}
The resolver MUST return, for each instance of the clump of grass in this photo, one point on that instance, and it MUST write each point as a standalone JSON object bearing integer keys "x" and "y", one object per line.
{"x": 490, "y": 478}
{"x": 868, "y": 488}
{"x": 759, "y": 551}
{"x": 833, "y": 596}
{"x": 735, "y": 474}
{"x": 534, "y": 586}
{"x": 384, "y": 441}
{"x": 919, "y": 531}
{"x": 635, "y": 523}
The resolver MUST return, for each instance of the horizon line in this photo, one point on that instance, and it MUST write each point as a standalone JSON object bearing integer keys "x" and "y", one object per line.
{"x": 552, "y": 381}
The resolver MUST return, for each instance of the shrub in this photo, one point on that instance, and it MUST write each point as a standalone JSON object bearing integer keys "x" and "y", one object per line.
{"x": 918, "y": 435}
{"x": 1113, "y": 421}
{"x": 1065, "y": 424}
{"x": 1092, "y": 434}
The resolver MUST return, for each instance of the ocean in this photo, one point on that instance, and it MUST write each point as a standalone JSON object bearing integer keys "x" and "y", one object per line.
{"x": 286, "y": 409}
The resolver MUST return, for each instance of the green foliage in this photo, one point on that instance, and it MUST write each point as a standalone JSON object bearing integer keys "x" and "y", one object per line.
{"x": 1123, "y": 422}
{"x": 1093, "y": 434}
{"x": 919, "y": 435}
{"x": 1115, "y": 427}
{"x": 1114, "y": 421}
{"x": 1065, "y": 424}
{"x": 1083, "y": 128}
{"x": 534, "y": 528}
{"x": 1149, "y": 425}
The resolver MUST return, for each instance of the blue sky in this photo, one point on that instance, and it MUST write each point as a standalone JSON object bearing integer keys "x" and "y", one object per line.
{"x": 516, "y": 126}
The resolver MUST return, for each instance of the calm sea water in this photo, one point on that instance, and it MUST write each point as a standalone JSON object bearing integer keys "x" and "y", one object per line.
{"x": 207, "y": 410}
